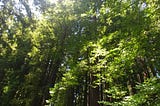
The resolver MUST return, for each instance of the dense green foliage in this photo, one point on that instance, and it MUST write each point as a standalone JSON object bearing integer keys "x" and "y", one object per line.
{"x": 80, "y": 53}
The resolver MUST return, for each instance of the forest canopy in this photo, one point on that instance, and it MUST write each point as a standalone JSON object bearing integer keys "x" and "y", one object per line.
{"x": 79, "y": 53}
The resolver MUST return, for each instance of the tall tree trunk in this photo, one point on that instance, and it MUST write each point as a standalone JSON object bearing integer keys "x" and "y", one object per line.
{"x": 101, "y": 89}
{"x": 70, "y": 97}
{"x": 152, "y": 70}
{"x": 52, "y": 73}
{"x": 85, "y": 90}
{"x": 1, "y": 81}
{"x": 131, "y": 85}
{"x": 93, "y": 92}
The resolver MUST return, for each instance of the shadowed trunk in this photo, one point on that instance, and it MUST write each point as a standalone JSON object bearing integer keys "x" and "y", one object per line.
{"x": 93, "y": 92}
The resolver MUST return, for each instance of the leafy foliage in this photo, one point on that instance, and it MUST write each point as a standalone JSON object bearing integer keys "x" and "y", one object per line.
{"x": 79, "y": 53}
{"x": 148, "y": 95}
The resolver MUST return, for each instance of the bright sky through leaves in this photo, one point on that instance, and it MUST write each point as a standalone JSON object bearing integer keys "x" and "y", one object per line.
{"x": 79, "y": 53}
{"x": 53, "y": 1}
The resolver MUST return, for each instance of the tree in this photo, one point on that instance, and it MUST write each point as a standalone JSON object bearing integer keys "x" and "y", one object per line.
{"x": 79, "y": 52}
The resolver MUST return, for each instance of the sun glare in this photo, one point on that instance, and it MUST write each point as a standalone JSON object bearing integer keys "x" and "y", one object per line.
{"x": 53, "y": 1}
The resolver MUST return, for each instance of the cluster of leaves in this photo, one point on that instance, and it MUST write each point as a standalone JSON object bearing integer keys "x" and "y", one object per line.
{"x": 147, "y": 94}
{"x": 120, "y": 36}
{"x": 79, "y": 51}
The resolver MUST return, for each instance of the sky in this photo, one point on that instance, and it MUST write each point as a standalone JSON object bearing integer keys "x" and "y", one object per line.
{"x": 31, "y": 4}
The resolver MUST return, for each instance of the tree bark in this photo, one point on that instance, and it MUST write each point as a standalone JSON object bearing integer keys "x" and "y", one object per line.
{"x": 85, "y": 90}
{"x": 70, "y": 97}
{"x": 93, "y": 92}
